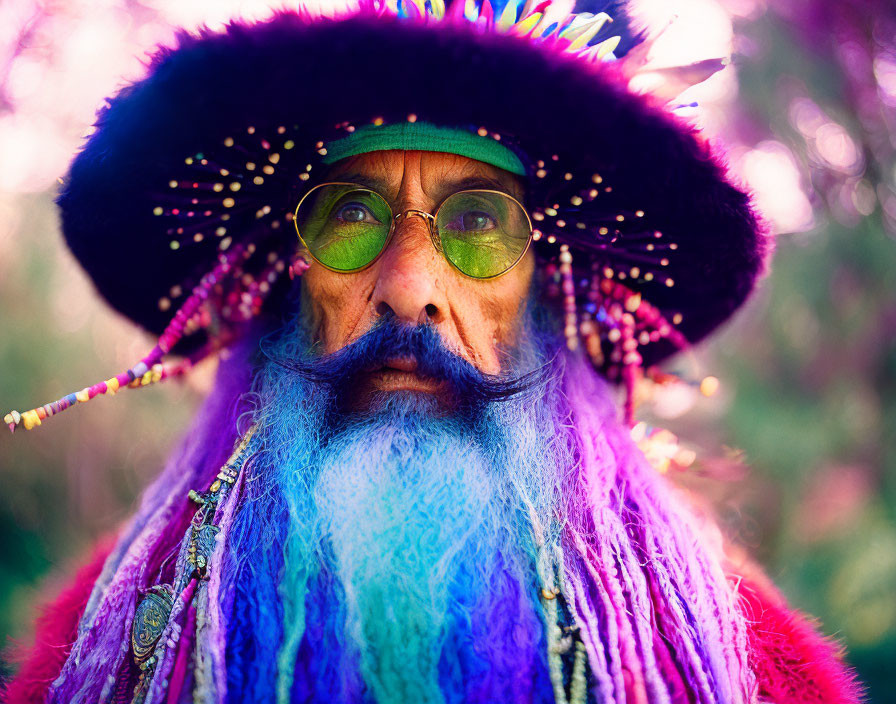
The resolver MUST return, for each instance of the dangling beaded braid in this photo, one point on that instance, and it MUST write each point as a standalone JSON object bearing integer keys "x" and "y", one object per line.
{"x": 149, "y": 369}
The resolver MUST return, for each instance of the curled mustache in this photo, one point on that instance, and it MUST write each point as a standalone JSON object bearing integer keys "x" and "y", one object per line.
{"x": 389, "y": 339}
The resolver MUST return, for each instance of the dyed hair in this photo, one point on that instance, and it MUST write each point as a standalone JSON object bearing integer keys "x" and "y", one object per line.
{"x": 400, "y": 554}
{"x": 391, "y": 531}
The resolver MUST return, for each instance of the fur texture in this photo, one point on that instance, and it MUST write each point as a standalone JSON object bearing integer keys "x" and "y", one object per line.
{"x": 56, "y": 629}
{"x": 793, "y": 663}
{"x": 314, "y": 73}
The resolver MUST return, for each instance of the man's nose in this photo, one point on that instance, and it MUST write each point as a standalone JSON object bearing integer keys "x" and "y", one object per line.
{"x": 410, "y": 269}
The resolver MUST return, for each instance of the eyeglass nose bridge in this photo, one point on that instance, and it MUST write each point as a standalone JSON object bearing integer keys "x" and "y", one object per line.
{"x": 428, "y": 217}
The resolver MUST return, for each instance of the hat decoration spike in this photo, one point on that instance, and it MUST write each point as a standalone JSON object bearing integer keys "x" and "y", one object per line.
{"x": 554, "y": 23}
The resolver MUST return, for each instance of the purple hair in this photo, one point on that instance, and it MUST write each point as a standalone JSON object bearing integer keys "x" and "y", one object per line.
{"x": 639, "y": 572}
{"x": 644, "y": 569}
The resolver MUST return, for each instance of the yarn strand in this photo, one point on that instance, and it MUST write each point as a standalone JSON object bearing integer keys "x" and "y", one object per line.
{"x": 148, "y": 370}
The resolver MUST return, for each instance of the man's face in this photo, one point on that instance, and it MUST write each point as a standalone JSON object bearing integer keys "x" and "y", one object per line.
{"x": 411, "y": 280}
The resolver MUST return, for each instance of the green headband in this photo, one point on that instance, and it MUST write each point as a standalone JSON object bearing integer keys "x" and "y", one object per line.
{"x": 425, "y": 136}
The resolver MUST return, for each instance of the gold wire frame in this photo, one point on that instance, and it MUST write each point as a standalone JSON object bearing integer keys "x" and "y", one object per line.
{"x": 430, "y": 219}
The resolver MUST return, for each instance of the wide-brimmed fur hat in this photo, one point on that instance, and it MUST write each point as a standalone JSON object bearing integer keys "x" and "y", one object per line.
{"x": 180, "y": 204}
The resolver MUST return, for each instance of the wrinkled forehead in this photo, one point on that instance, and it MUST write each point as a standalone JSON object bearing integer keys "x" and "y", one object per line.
{"x": 435, "y": 175}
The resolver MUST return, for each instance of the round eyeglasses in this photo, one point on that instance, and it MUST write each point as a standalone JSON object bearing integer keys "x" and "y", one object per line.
{"x": 345, "y": 227}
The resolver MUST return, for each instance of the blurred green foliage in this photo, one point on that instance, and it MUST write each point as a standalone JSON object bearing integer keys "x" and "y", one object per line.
{"x": 813, "y": 366}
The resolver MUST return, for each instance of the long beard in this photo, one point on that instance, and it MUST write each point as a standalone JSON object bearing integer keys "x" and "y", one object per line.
{"x": 418, "y": 520}
{"x": 393, "y": 557}
{"x": 408, "y": 551}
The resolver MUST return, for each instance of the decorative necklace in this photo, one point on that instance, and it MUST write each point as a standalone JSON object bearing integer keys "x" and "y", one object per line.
{"x": 166, "y": 609}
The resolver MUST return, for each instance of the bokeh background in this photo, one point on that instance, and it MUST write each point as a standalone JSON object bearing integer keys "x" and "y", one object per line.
{"x": 797, "y": 450}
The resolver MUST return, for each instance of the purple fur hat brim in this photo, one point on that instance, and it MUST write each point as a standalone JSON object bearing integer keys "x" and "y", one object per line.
{"x": 314, "y": 74}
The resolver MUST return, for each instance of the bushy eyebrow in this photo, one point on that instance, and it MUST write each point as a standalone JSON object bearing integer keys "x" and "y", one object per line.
{"x": 446, "y": 189}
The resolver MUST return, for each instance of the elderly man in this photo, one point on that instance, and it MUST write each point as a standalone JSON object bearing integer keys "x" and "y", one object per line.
{"x": 410, "y": 482}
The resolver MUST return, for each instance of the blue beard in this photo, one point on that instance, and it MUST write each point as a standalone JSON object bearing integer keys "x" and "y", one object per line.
{"x": 388, "y": 555}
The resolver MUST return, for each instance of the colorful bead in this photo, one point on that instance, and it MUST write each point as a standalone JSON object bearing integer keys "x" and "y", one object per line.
{"x": 30, "y": 419}
{"x": 570, "y": 329}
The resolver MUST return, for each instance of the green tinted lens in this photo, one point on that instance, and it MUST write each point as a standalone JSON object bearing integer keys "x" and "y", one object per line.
{"x": 343, "y": 226}
{"x": 483, "y": 233}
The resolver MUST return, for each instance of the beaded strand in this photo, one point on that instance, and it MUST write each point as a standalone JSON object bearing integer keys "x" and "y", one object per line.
{"x": 149, "y": 369}
{"x": 561, "y": 639}
{"x": 549, "y": 568}
{"x": 568, "y": 286}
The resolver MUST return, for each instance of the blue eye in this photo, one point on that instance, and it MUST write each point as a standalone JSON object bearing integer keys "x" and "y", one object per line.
{"x": 476, "y": 221}
{"x": 354, "y": 213}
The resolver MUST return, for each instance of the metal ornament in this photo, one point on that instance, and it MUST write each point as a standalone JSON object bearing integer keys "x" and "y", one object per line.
{"x": 150, "y": 620}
